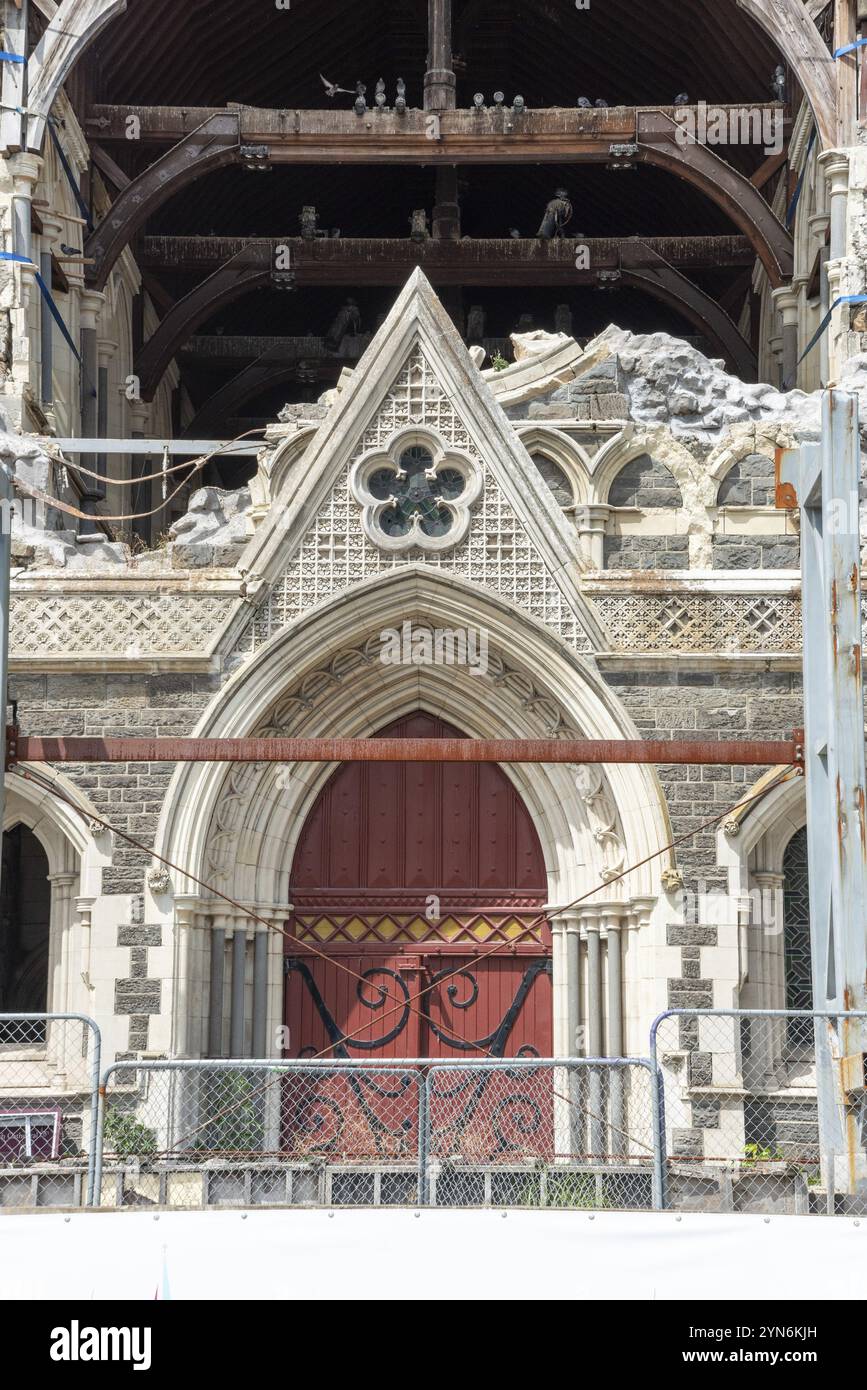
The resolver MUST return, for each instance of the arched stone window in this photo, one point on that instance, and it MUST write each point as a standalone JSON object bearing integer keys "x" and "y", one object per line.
{"x": 796, "y": 923}
{"x": 25, "y": 921}
{"x": 555, "y": 479}
{"x": 743, "y": 540}
{"x": 647, "y": 539}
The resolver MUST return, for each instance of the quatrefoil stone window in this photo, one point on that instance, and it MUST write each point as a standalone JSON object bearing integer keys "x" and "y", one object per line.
{"x": 417, "y": 494}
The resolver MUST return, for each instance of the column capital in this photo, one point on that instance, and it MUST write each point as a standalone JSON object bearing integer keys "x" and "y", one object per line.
{"x": 591, "y": 517}
{"x": 835, "y": 164}
{"x": 106, "y": 348}
{"x": 786, "y": 300}
{"x": 90, "y": 304}
{"x": 64, "y": 878}
{"x": 25, "y": 167}
{"x": 139, "y": 413}
{"x": 52, "y": 225}
{"x": 819, "y": 225}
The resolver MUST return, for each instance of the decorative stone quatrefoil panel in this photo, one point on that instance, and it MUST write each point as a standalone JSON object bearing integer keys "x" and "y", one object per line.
{"x": 416, "y": 494}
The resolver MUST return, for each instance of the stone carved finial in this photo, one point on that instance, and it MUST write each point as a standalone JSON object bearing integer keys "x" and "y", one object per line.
{"x": 732, "y": 827}
{"x": 671, "y": 879}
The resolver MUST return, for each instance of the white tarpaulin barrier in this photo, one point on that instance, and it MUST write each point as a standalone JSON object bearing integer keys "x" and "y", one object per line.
{"x": 442, "y": 1254}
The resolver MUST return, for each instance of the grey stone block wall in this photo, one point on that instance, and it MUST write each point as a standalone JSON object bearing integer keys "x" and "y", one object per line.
{"x": 138, "y": 996}
{"x": 147, "y": 706}
{"x": 756, "y": 552}
{"x": 749, "y": 484}
{"x": 644, "y": 483}
{"x": 726, "y": 705}
{"x": 646, "y": 552}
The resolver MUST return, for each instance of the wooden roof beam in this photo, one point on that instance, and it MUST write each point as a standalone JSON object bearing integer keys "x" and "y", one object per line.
{"x": 477, "y": 261}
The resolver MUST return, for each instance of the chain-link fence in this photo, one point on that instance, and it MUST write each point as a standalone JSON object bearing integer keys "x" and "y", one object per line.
{"x": 734, "y": 1110}
{"x": 519, "y": 1133}
{"x": 764, "y": 1111}
{"x": 193, "y": 1134}
{"x": 577, "y": 1133}
{"x": 49, "y": 1082}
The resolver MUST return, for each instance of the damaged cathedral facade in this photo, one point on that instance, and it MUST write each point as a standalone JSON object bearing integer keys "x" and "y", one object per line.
{"x": 560, "y": 534}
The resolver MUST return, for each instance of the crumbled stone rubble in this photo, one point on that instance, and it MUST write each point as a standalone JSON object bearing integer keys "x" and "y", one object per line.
{"x": 654, "y": 380}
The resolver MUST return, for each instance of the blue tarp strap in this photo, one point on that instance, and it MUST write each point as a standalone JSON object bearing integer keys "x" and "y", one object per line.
{"x": 841, "y": 299}
{"x": 73, "y": 182}
{"x": 850, "y": 47}
{"x": 796, "y": 196}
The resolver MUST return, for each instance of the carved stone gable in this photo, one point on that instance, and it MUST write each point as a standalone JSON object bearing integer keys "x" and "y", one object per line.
{"x": 495, "y": 549}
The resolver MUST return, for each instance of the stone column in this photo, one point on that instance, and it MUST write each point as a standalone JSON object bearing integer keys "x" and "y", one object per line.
{"x": 52, "y": 230}
{"x": 237, "y": 1041}
{"x": 61, "y": 984}
{"x": 591, "y": 921}
{"x": 786, "y": 301}
{"x": 819, "y": 225}
{"x": 217, "y": 978}
{"x": 25, "y": 169}
{"x": 568, "y": 1110}
{"x": 276, "y": 983}
{"x": 141, "y": 465}
{"x": 184, "y": 974}
{"x": 90, "y": 306}
{"x": 591, "y": 520}
{"x": 835, "y": 165}
{"x": 559, "y": 987}
{"x": 775, "y": 343}
{"x": 617, "y": 1141}
{"x": 770, "y": 1033}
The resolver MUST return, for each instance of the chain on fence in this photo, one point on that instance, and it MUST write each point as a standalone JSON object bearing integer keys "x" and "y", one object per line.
{"x": 49, "y": 1079}
{"x": 521, "y": 1133}
{"x": 760, "y": 1112}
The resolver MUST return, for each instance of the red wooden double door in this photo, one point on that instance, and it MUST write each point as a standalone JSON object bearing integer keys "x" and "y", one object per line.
{"x": 426, "y": 880}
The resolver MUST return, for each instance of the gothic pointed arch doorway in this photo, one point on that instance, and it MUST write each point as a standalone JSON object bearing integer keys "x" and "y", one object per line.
{"x": 411, "y": 874}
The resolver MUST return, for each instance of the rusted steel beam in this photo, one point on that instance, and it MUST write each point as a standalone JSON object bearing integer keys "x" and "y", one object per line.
{"x": 710, "y": 752}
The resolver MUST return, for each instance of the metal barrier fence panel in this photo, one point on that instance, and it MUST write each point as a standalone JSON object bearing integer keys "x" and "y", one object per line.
{"x": 49, "y": 1082}
{"x": 193, "y": 1134}
{"x": 573, "y": 1133}
{"x": 577, "y": 1133}
{"x": 752, "y": 1121}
